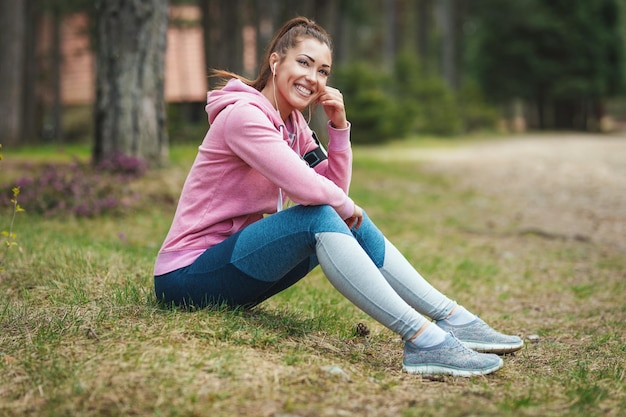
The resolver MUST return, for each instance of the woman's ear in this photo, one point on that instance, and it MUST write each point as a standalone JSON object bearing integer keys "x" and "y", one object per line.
{"x": 273, "y": 62}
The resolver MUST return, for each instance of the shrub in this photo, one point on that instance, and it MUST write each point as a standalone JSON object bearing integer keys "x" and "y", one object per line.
{"x": 383, "y": 105}
{"x": 438, "y": 113}
{"x": 370, "y": 105}
{"x": 475, "y": 113}
{"x": 430, "y": 103}
{"x": 79, "y": 188}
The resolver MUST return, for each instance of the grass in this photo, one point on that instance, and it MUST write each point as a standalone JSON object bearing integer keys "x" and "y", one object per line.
{"x": 82, "y": 334}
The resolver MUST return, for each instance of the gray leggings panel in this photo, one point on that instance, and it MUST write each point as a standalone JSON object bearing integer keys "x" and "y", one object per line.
{"x": 351, "y": 271}
{"x": 412, "y": 287}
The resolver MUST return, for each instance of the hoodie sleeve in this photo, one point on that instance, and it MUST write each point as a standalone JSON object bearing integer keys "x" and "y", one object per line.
{"x": 338, "y": 166}
{"x": 252, "y": 136}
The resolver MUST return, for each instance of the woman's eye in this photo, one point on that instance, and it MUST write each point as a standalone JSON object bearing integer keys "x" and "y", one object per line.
{"x": 306, "y": 63}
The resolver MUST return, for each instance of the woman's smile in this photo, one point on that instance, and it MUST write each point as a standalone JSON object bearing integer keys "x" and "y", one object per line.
{"x": 303, "y": 90}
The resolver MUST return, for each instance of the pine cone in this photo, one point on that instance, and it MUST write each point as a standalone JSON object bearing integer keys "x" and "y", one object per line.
{"x": 362, "y": 330}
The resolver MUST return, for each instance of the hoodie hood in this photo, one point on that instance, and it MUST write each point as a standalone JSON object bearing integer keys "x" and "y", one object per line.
{"x": 234, "y": 91}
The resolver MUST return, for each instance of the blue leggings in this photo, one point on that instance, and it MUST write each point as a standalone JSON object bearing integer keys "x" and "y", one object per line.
{"x": 274, "y": 253}
{"x": 262, "y": 259}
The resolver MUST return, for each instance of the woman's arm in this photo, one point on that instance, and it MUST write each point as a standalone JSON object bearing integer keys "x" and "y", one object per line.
{"x": 254, "y": 139}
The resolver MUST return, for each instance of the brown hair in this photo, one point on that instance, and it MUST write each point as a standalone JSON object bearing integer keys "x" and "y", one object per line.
{"x": 284, "y": 39}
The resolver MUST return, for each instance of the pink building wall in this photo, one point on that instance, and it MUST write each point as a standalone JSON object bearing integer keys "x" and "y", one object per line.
{"x": 185, "y": 73}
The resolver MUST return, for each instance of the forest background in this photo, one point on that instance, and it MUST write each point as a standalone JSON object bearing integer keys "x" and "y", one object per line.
{"x": 424, "y": 67}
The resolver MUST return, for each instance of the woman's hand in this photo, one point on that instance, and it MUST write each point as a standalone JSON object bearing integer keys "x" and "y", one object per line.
{"x": 332, "y": 100}
{"x": 354, "y": 222}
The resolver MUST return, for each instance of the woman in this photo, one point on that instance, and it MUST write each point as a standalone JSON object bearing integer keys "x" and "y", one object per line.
{"x": 222, "y": 246}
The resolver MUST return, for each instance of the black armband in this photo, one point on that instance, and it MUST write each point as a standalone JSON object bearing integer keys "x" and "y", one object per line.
{"x": 315, "y": 156}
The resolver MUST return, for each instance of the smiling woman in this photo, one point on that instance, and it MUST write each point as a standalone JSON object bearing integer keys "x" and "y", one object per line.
{"x": 299, "y": 80}
{"x": 232, "y": 243}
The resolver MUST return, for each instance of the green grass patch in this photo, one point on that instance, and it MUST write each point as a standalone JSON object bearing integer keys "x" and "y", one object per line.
{"x": 81, "y": 332}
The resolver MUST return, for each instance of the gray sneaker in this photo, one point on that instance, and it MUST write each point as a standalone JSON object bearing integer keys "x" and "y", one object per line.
{"x": 450, "y": 357}
{"x": 477, "y": 335}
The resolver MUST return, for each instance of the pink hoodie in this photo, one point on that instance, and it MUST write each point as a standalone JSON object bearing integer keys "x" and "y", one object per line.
{"x": 242, "y": 163}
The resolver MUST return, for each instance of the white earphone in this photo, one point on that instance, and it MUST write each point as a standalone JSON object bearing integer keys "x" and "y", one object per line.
{"x": 274, "y": 88}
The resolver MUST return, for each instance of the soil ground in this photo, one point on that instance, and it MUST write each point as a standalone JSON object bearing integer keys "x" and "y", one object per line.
{"x": 556, "y": 185}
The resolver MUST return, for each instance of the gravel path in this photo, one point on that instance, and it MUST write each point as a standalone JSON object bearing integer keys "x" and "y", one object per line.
{"x": 559, "y": 186}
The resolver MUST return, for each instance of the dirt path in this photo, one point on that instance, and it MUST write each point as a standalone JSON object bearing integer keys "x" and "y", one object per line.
{"x": 561, "y": 186}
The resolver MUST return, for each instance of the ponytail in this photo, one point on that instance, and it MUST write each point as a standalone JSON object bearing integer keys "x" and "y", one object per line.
{"x": 287, "y": 37}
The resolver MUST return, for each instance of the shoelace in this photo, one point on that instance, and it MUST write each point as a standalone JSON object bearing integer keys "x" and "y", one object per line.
{"x": 460, "y": 347}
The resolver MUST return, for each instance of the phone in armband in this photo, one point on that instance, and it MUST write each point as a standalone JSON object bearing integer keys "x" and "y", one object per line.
{"x": 317, "y": 155}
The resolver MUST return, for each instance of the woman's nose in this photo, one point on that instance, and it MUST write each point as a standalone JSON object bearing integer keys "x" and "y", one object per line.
{"x": 312, "y": 75}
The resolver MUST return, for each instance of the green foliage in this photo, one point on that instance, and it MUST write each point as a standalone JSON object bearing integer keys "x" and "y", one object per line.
{"x": 433, "y": 103}
{"x": 475, "y": 112}
{"x": 371, "y": 108}
{"x": 186, "y": 122}
{"x": 386, "y": 105}
{"x": 552, "y": 53}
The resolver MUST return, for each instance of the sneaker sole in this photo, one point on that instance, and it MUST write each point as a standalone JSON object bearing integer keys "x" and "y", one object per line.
{"x": 492, "y": 347}
{"x": 434, "y": 369}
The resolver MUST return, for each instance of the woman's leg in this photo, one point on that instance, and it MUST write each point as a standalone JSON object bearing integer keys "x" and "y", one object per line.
{"x": 401, "y": 275}
{"x": 426, "y": 299}
{"x": 226, "y": 285}
{"x": 254, "y": 263}
{"x": 275, "y": 252}
{"x": 248, "y": 267}
{"x": 351, "y": 271}
{"x": 428, "y": 349}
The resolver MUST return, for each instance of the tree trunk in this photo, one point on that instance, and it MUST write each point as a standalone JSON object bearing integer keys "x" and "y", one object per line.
{"x": 231, "y": 48}
{"x": 56, "y": 61}
{"x": 223, "y": 45}
{"x": 445, "y": 12}
{"x": 12, "y": 47}
{"x": 424, "y": 24}
{"x": 265, "y": 26}
{"x": 205, "y": 18}
{"x": 130, "y": 115}
{"x": 339, "y": 34}
{"x": 391, "y": 23}
{"x": 32, "y": 121}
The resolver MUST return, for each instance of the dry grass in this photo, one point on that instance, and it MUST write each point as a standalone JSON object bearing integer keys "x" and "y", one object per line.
{"x": 81, "y": 334}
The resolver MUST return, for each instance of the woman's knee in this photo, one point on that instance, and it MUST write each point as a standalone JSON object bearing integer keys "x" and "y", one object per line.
{"x": 324, "y": 218}
{"x": 371, "y": 240}
{"x": 368, "y": 235}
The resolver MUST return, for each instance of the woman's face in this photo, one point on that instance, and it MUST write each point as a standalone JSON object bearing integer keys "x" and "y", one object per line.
{"x": 301, "y": 76}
